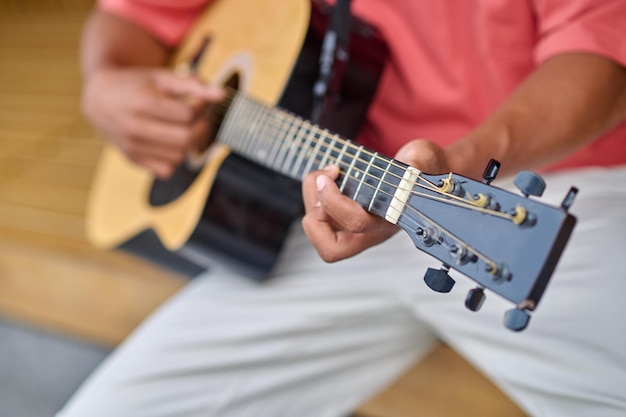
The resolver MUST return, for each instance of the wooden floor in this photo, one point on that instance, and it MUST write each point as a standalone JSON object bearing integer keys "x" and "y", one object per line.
{"x": 51, "y": 277}
{"x": 48, "y": 272}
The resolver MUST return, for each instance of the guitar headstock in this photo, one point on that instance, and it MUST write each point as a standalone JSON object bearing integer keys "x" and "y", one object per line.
{"x": 507, "y": 243}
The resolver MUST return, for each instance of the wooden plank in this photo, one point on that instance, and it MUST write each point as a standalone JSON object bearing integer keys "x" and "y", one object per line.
{"x": 55, "y": 198}
{"x": 47, "y": 172}
{"x": 39, "y": 103}
{"x": 50, "y": 148}
{"x": 69, "y": 160}
{"x": 39, "y": 76}
{"x": 41, "y": 221}
{"x": 441, "y": 384}
{"x": 40, "y": 121}
{"x": 43, "y": 87}
{"x": 62, "y": 136}
{"x": 43, "y": 6}
{"x": 76, "y": 129}
{"x": 79, "y": 292}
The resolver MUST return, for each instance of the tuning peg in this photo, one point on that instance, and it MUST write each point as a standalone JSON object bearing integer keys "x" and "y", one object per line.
{"x": 516, "y": 319}
{"x": 475, "y": 299}
{"x": 491, "y": 171}
{"x": 438, "y": 279}
{"x": 461, "y": 254}
{"x": 569, "y": 198}
{"x": 530, "y": 183}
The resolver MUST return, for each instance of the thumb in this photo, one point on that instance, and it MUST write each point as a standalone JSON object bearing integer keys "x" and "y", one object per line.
{"x": 168, "y": 82}
{"x": 424, "y": 155}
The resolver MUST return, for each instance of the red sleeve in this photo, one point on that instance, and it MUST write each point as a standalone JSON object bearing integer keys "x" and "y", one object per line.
{"x": 596, "y": 26}
{"x": 168, "y": 21}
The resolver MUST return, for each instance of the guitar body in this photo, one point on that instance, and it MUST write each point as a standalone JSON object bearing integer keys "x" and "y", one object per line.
{"x": 259, "y": 43}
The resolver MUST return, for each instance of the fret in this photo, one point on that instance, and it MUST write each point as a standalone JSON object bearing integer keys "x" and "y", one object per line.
{"x": 241, "y": 122}
{"x": 327, "y": 154}
{"x": 256, "y": 112}
{"x": 377, "y": 190}
{"x": 313, "y": 157}
{"x": 390, "y": 173}
{"x": 285, "y": 127}
{"x": 263, "y": 126}
{"x": 364, "y": 178}
{"x": 306, "y": 146}
{"x": 347, "y": 175}
{"x": 339, "y": 159}
{"x": 268, "y": 136}
{"x": 293, "y": 148}
{"x": 228, "y": 131}
{"x": 287, "y": 141}
{"x": 278, "y": 133}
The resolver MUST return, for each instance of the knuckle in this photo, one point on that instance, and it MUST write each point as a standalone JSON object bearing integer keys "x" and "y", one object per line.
{"x": 183, "y": 135}
{"x": 186, "y": 114}
{"x": 132, "y": 127}
{"x": 132, "y": 155}
{"x": 430, "y": 156}
{"x": 203, "y": 127}
{"x": 131, "y": 148}
{"x": 305, "y": 221}
{"x": 178, "y": 156}
{"x": 412, "y": 154}
{"x": 356, "y": 224}
{"x": 140, "y": 103}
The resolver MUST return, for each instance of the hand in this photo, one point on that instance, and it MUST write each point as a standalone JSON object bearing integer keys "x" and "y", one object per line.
{"x": 153, "y": 115}
{"x": 337, "y": 226}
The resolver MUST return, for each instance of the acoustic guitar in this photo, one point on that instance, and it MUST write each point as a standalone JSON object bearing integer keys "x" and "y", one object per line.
{"x": 235, "y": 203}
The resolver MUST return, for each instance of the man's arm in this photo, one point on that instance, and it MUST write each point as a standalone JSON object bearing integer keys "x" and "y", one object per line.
{"x": 153, "y": 115}
{"x": 566, "y": 103}
{"x": 109, "y": 41}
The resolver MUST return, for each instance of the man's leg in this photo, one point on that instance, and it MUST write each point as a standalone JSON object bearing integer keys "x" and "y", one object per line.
{"x": 571, "y": 360}
{"x": 316, "y": 340}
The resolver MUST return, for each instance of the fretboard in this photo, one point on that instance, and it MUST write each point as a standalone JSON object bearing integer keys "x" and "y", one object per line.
{"x": 292, "y": 146}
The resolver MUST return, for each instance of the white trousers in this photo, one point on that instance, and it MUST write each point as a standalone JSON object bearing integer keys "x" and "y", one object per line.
{"x": 319, "y": 339}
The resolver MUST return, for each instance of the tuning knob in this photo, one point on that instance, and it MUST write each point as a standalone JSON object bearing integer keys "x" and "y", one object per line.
{"x": 475, "y": 299}
{"x": 438, "y": 279}
{"x": 516, "y": 319}
{"x": 530, "y": 183}
{"x": 569, "y": 198}
{"x": 491, "y": 171}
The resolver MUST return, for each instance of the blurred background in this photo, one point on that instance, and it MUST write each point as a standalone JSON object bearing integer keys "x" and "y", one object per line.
{"x": 63, "y": 305}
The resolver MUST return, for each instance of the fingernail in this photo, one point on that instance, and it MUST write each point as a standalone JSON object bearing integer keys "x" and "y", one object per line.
{"x": 320, "y": 181}
{"x": 318, "y": 204}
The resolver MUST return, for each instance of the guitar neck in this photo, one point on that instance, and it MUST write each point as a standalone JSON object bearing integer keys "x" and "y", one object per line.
{"x": 505, "y": 242}
{"x": 294, "y": 147}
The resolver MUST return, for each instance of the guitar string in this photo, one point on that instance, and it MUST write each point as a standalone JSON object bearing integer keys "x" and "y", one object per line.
{"x": 310, "y": 128}
{"x": 412, "y": 210}
{"x": 492, "y": 265}
{"x": 448, "y": 197}
{"x": 457, "y": 201}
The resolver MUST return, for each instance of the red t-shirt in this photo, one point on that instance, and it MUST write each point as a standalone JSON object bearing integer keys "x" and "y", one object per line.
{"x": 451, "y": 63}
